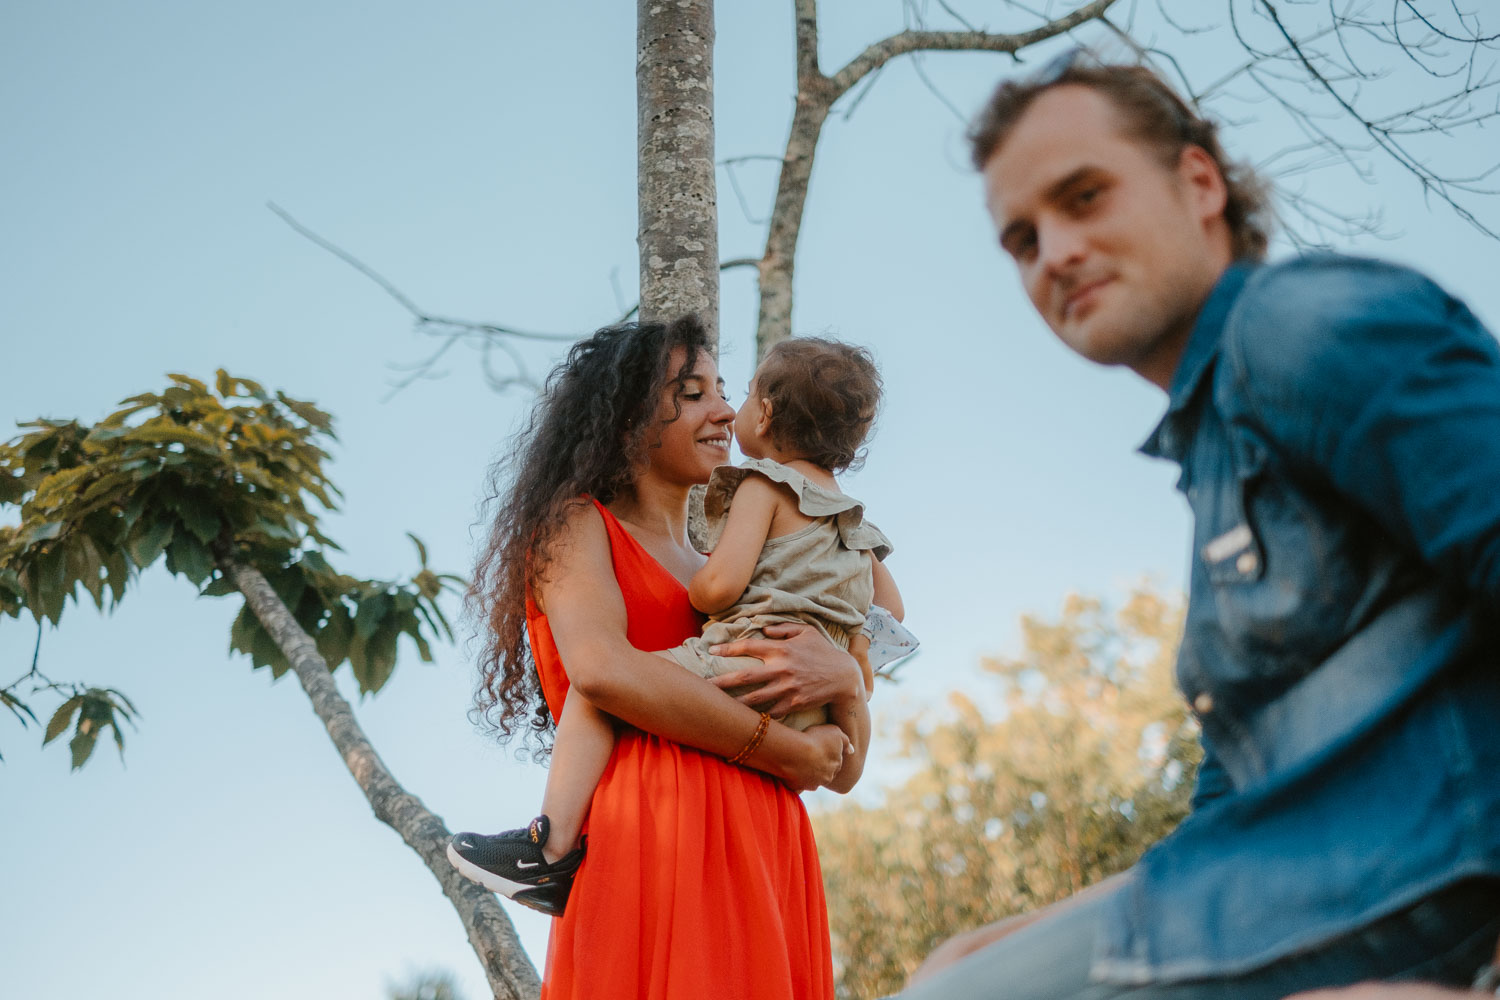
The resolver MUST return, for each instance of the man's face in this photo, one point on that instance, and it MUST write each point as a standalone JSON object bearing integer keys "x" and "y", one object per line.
{"x": 1116, "y": 250}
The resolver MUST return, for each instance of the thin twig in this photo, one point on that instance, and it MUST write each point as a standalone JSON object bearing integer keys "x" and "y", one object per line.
{"x": 396, "y": 293}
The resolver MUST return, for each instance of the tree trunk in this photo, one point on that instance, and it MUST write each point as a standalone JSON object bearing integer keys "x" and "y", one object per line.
{"x": 510, "y": 973}
{"x": 780, "y": 261}
{"x": 679, "y": 221}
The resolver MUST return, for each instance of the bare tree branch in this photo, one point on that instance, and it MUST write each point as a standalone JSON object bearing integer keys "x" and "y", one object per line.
{"x": 1443, "y": 34}
{"x": 878, "y": 54}
{"x": 422, "y": 317}
{"x": 1430, "y": 181}
{"x": 807, "y": 39}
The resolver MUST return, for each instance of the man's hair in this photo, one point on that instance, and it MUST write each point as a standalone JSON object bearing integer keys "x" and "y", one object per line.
{"x": 823, "y": 395}
{"x": 1152, "y": 114}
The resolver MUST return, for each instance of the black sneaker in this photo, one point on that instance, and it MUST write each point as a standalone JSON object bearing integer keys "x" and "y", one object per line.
{"x": 511, "y": 863}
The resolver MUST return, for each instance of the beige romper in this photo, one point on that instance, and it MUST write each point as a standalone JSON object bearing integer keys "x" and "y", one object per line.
{"x": 819, "y": 575}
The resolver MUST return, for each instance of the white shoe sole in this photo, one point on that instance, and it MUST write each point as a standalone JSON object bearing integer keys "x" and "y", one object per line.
{"x": 485, "y": 877}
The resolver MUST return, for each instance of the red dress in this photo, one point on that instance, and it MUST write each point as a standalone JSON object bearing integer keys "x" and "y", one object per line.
{"x": 701, "y": 879}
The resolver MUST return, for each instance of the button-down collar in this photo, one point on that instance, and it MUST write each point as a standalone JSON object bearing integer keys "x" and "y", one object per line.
{"x": 1197, "y": 358}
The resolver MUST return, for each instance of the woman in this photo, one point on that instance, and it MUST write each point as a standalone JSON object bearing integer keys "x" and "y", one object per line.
{"x": 701, "y": 877}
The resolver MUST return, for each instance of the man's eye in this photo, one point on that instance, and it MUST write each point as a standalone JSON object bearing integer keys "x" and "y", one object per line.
{"x": 692, "y": 396}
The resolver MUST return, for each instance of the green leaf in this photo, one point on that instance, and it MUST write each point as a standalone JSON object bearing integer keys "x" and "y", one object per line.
{"x": 333, "y": 638}
{"x": 436, "y": 630}
{"x": 117, "y": 573}
{"x": 253, "y": 388}
{"x": 219, "y": 587}
{"x": 315, "y": 563}
{"x": 60, "y": 483}
{"x": 124, "y": 705}
{"x": 17, "y": 707}
{"x": 148, "y": 541}
{"x": 44, "y": 532}
{"x": 198, "y": 516}
{"x": 188, "y": 556}
{"x": 423, "y": 649}
{"x": 242, "y": 631}
{"x": 265, "y": 652}
{"x": 12, "y": 488}
{"x": 380, "y": 652}
{"x": 189, "y": 382}
{"x": 279, "y": 532}
{"x": 308, "y": 412}
{"x": 60, "y": 720}
{"x": 82, "y": 746}
{"x": 49, "y": 575}
{"x": 167, "y": 432}
{"x": 85, "y": 564}
{"x": 372, "y": 610}
{"x": 421, "y": 549}
{"x": 359, "y": 662}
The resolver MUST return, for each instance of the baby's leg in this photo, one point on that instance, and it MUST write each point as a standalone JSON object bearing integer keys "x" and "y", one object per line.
{"x": 585, "y": 739}
{"x": 859, "y": 648}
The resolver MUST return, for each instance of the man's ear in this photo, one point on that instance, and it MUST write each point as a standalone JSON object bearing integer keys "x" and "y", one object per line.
{"x": 763, "y": 422}
{"x": 1203, "y": 181}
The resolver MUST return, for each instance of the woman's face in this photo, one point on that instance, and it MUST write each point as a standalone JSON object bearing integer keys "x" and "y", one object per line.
{"x": 694, "y": 422}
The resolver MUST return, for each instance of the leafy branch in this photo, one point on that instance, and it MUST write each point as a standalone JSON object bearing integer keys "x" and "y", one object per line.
{"x": 195, "y": 477}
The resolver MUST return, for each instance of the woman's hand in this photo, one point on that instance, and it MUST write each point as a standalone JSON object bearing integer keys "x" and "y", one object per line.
{"x": 800, "y": 669}
{"x": 806, "y": 760}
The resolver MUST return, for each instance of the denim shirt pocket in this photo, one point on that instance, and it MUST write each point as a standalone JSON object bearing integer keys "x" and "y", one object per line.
{"x": 1280, "y": 568}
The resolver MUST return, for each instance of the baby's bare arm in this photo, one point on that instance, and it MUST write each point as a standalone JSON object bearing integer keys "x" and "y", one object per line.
{"x": 727, "y": 573}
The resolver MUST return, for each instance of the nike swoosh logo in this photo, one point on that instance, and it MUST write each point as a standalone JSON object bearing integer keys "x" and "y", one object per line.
{"x": 525, "y": 864}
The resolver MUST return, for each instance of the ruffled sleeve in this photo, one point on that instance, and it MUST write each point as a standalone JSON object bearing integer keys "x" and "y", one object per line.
{"x": 813, "y": 500}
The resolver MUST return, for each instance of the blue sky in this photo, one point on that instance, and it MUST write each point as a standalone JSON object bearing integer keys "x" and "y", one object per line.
{"x": 482, "y": 157}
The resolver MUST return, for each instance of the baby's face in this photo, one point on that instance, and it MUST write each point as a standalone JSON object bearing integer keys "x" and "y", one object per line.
{"x": 746, "y": 424}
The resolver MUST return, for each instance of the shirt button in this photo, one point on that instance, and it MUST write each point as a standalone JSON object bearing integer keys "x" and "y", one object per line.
{"x": 1246, "y": 563}
{"x": 1204, "y": 703}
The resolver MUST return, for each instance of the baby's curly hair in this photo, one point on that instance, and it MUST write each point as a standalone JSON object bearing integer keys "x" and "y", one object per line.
{"x": 824, "y": 395}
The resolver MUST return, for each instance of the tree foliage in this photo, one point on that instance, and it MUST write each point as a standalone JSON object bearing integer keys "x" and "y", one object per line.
{"x": 1089, "y": 760}
{"x": 195, "y": 477}
{"x": 222, "y": 483}
{"x": 430, "y": 984}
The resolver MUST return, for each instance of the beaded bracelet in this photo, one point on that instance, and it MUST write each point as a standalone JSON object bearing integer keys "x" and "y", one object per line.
{"x": 755, "y": 740}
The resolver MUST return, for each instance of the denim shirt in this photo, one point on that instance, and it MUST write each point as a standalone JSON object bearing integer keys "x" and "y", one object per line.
{"x": 1337, "y": 424}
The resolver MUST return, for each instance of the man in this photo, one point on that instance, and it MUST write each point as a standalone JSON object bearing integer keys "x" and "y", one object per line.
{"x": 1337, "y": 424}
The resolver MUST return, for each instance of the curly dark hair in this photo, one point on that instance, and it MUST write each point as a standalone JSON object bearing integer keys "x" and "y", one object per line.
{"x": 1152, "y": 113}
{"x": 824, "y": 395}
{"x": 588, "y": 434}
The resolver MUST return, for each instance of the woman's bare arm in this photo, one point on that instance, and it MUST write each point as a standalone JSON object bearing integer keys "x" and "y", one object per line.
{"x": 586, "y": 611}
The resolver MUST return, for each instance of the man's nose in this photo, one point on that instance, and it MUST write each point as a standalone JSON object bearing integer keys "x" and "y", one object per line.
{"x": 1060, "y": 246}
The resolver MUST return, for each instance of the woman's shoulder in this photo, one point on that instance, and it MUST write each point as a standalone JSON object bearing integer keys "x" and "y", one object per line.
{"x": 582, "y": 534}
